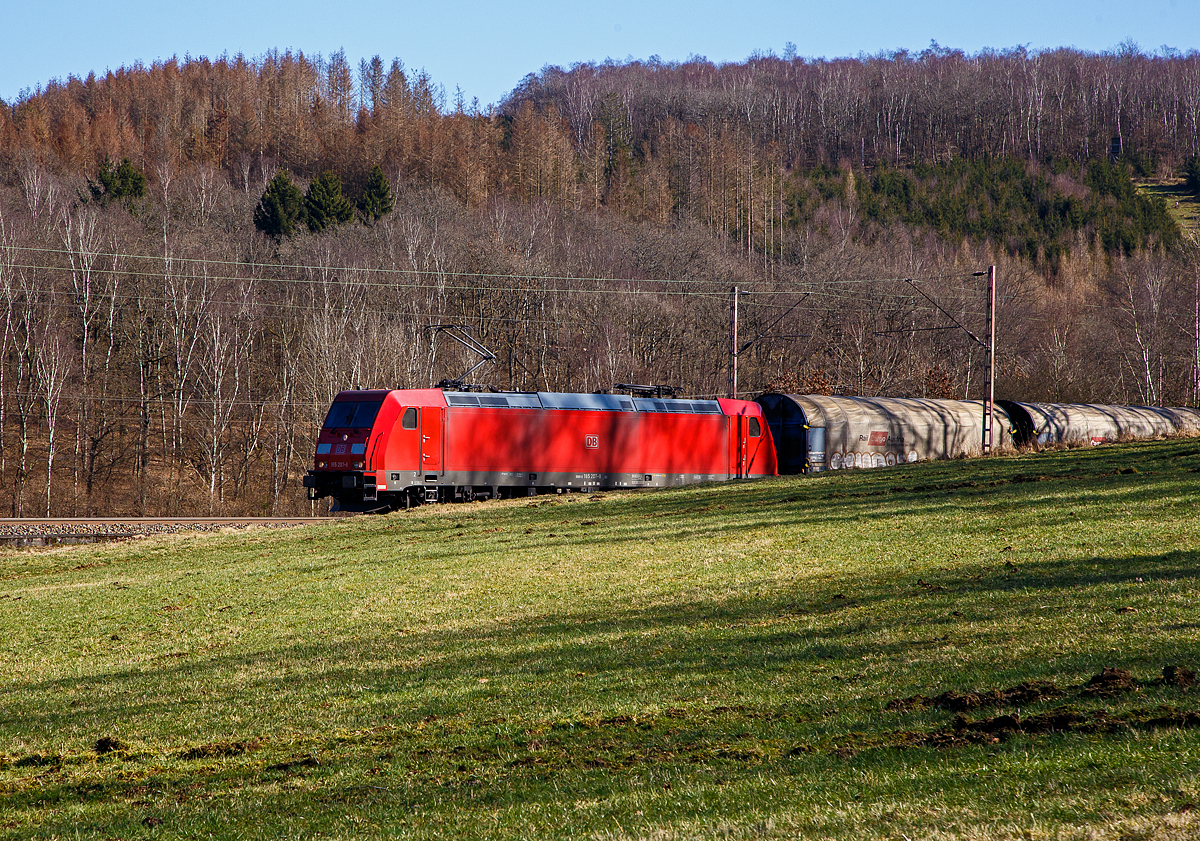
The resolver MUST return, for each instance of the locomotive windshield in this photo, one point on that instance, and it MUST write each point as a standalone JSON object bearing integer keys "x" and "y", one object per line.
{"x": 352, "y": 414}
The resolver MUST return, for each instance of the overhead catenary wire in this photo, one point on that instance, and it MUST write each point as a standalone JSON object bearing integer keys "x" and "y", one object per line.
{"x": 826, "y": 295}
{"x": 204, "y": 262}
{"x": 808, "y": 289}
{"x": 376, "y": 271}
{"x": 832, "y": 296}
{"x": 425, "y": 317}
{"x": 160, "y": 401}
{"x": 818, "y": 289}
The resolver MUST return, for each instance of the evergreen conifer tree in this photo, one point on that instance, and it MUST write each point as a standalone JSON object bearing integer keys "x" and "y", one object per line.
{"x": 377, "y": 197}
{"x": 324, "y": 204}
{"x": 281, "y": 207}
{"x": 123, "y": 183}
{"x": 1191, "y": 176}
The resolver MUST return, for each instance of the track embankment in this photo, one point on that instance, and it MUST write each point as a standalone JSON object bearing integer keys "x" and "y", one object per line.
{"x": 50, "y": 531}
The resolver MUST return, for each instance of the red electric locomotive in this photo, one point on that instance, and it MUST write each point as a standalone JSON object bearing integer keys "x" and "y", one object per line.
{"x": 387, "y": 449}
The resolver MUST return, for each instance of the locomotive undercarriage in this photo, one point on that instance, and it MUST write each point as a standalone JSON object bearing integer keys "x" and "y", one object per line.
{"x": 362, "y": 492}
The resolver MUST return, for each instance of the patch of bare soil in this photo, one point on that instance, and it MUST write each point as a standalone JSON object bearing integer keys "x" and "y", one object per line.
{"x": 1064, "y": 718}
{"x": 1107, "y": 683}
{"x": 219, "y": 750}
{"x": 1024, "y": 693}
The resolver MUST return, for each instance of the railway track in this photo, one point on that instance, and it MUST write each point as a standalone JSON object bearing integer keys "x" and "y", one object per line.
{"x": 51, "y": 531}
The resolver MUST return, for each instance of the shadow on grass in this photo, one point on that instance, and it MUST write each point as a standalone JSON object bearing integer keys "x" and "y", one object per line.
{"x": 441, "y": 743}
{"x": 559, "y": 659}
{"x": 575, "y": 673}
{"x": 1061, "y": 487}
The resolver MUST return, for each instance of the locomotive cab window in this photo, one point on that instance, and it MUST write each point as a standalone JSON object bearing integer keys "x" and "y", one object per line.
{"x": 409, "y": 420}
{"x": 754, "y": 428}
{"x": 352, "y": 414}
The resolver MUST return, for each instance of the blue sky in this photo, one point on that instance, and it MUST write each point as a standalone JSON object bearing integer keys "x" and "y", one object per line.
{"x": 487, "y": 48}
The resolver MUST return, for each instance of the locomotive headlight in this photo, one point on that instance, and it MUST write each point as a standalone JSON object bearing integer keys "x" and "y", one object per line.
{"x": 358, "y": 465}
{"x": 320, "y": 464}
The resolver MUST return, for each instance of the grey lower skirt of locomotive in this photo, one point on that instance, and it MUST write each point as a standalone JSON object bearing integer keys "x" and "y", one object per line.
{"x": 360, "y": 493}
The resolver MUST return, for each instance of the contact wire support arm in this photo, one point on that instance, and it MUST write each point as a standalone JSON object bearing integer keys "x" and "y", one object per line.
{"x": 942, "y": 310}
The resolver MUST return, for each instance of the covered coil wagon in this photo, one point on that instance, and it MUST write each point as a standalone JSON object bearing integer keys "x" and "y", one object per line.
{"x": 814, "y": 432}
{"x": 1044, "y": 424}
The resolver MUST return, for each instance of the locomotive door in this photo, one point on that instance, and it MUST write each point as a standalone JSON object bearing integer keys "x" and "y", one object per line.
{"x": 754, "y": 442}
{"x": 404, "y": 444}
{"x": 740, "y": 444}
{"x": 749, "y": 441}
{"x": 431, "y": 440}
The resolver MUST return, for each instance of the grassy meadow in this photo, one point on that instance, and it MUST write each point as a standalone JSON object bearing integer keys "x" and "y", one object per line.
{"x": 1183, "y": 206}
{"x": 995, "y": 648}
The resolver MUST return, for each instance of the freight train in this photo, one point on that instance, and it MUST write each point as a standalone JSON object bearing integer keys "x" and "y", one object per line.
{"x": 385, "y": 449}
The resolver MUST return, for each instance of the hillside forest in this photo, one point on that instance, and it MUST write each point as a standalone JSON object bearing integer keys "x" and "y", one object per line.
{"x": 197, "y": 255}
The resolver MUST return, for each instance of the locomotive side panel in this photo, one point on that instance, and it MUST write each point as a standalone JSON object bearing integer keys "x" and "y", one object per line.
{"x": 686, "y": 448}
{"x": 582, "y": 448}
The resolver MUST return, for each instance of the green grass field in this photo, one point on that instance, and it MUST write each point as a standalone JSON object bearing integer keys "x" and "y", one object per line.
{"x": 1182, "y": 205}
{"x": 909, "y": 653}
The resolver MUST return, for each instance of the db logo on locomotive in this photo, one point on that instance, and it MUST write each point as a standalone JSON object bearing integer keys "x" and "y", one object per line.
{"x": 591, "y": 442}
